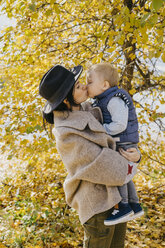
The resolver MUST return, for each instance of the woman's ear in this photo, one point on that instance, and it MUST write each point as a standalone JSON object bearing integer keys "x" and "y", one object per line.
{"x": 106, "y": 85}
{"x": 67, "y": 103}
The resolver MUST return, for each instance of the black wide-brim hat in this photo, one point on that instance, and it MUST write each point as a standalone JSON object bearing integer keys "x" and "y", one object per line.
{"x": 56, "y": 84}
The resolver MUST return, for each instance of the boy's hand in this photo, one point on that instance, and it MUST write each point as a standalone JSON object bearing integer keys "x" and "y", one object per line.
{"x": 131, "y": 154}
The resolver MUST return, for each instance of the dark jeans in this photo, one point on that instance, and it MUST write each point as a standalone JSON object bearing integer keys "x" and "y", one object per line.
{"x": 97, "y": 235}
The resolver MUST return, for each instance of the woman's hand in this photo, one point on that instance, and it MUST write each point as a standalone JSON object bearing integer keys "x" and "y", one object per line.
{"x": 131, "y": 154}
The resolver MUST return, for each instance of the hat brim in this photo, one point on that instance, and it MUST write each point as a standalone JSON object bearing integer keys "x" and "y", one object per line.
{"x": 49, "y": 107}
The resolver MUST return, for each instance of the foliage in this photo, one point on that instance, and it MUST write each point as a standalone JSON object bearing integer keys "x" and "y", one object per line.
{"x": 126, "y": 33}
{"x": 33, "y": 212}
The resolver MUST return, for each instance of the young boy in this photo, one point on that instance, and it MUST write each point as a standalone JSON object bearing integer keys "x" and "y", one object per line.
{"x": 120, "y": 121}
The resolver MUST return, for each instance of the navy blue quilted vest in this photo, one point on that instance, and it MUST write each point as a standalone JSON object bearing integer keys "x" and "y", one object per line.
{"x": 131, "y": 133}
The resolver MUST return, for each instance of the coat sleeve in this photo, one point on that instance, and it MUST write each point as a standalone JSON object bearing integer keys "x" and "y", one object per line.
{"x": 85, "y": 160}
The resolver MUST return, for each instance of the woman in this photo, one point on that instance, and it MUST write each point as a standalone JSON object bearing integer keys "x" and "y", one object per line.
{"x": 88, "y": 153}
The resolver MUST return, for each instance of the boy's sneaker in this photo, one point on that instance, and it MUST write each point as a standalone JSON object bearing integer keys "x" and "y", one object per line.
{"x": 120, "y": 215}
{"x": 138, "y": 211}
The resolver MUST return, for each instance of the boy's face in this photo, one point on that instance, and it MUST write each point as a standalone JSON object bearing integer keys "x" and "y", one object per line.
{"x": 95, "y": 84}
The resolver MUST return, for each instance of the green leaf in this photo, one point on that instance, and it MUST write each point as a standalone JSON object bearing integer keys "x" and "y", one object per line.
{"x": 48, "y": 12}
{"x": 56, "y": 8}
{"x": 32, "y": 7}
{"x": 157, "y": 4}
{"x": 47, "y": 213}
{"x": 29, "y": 130}
{"x": 9, "y": 157}
{"x": 153, "y": 19}
{"x": 38, "y": 127}
{"x": 144, "y": 19}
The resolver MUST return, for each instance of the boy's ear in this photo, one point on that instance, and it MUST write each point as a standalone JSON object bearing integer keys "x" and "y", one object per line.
{"x": 106, "y": 85}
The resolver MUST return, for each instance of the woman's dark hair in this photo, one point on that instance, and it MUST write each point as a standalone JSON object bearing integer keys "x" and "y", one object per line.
{"x": 62, "y": 107}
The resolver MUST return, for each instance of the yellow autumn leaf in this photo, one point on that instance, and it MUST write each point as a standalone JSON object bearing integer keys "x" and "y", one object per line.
{"x": 132, "y": 91}
{"x": 163, "y": 57}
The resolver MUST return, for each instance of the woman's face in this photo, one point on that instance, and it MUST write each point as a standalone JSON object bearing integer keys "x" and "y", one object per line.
{"x": 80, "y": 93}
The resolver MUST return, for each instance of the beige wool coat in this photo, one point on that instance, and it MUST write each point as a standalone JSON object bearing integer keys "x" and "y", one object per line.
{"x": 94, "y": 168}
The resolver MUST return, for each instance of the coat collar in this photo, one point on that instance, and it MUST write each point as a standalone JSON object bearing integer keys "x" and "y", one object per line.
{"x": 77, "y": 120}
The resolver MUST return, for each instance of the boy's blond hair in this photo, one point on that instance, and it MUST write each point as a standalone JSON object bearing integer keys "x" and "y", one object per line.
{"x": 106, "y": 70}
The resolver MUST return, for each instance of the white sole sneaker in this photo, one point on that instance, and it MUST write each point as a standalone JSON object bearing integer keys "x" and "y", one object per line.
{"x": 120, "y": 220}
{"x": 134, "y": 216}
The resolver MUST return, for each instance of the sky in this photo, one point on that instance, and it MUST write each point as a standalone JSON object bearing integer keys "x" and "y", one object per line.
{"x": 4, "y": 21}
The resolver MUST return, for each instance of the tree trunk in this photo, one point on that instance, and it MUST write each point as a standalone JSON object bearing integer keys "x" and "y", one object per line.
{"x": 129, "y": 49}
